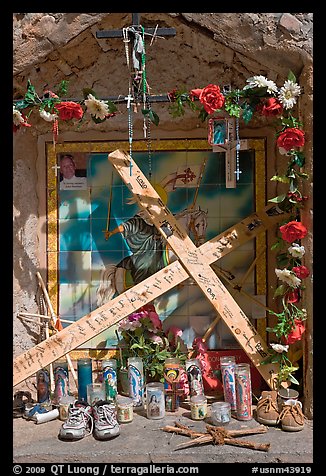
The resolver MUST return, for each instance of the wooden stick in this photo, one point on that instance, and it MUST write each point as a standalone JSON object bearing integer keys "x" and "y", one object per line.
{"x": 244, "y": 431}
{"x": 29, "y": 314}
{"x": 182, "y": 431}
{"x": 54, "y": 317}
{"x": 247, "y": 444}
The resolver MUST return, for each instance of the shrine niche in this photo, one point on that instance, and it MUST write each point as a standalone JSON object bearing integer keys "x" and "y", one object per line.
{"x": 213, "y": 185}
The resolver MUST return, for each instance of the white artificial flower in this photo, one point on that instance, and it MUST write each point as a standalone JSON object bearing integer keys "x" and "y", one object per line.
{"x": 280, "y": 348}
{"x": 17, "y": 117}
{"x": 47, "y": 116}
{"x": 296, "y": 250}
{"x": 288, "y": 94}
{"x": 283, "y": 151}
{"x": 261, "y": 82}
{"x": 96, "y": 107}
{"x": 288, "y": 277}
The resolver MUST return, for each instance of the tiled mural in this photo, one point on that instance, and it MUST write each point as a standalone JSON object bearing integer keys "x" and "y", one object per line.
{"x": 92, "y": 268}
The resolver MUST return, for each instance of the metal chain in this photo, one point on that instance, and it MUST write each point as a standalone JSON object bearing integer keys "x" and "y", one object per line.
{"x": 238, "y": 145}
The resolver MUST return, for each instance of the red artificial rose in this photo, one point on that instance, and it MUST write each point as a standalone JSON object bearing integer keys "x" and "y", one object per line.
{"x": 292, "y": 231}
{"x": 270, "y": 107}
{"x": 296, "y": 332}
{"x": 292, "y": 296}
{"x": 301, "y": 272}
{"x": 69, "y": 110}
{"x": 290, "y": 138}
{"x": 210, "y": 97}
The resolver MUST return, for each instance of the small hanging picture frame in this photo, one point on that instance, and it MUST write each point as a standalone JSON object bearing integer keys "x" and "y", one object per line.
{"x": 217, "y": 131}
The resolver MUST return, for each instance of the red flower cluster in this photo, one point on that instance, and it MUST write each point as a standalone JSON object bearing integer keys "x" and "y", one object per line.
{"x": 69, "y": 110}
{"x": 292, "y": 231}
{"x": 211, "y": 97}
{"x": 269, "y": 107}
{"x": 291, "y": 138}
{"x": 296, "y": 332}
{"x": 301, "y": 272}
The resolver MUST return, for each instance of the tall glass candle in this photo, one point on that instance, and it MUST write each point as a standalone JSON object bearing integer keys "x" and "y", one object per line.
{"x": 110, "y": 379}
{"x": 43, "y": 386}
{"x": 136, "y": 380}
{"x": 61, "y": 380}
{"x": 85, "y": 377}
{"x": 243, "y": 391}
{"x": 171, "y": 372}
{"x": 155, "y": 402}
{"x": 195, "y": 377}
{"x": 227, "y": 364}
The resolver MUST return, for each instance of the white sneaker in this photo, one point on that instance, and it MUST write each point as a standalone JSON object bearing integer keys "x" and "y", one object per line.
{"x": 106, "y": 425}
{"x": 79, "y": 422}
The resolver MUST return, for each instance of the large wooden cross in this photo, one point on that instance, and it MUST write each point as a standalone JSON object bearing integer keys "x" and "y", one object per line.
{"x": 194, "y": 262}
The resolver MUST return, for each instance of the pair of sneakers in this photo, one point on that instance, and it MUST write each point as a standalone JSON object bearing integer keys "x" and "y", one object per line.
{"x": 290, "y": 416}
{"x": 83, "y": 420}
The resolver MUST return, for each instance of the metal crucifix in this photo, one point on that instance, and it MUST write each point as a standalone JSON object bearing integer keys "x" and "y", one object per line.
{"x": 193, "y": 262}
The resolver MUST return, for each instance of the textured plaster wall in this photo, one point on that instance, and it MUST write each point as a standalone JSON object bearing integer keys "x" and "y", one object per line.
{"x": 220, "y": 48}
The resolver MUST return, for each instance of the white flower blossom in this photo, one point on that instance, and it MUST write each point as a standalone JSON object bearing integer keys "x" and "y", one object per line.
{"x": 47, "y": 116}
{"x": 126, "y": 325}
{"x": 296, "y": 250}
{"x": 17, "y": 117}
{"x": 288, "y": 277}
{"x": 288, "y": 94}
{"x": 96, "y": 107}
{"x": 280, "y": 348}
{"x": 261, "y": 82}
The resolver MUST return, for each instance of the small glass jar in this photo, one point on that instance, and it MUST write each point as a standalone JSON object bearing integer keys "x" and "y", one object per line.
{"x": 85, "y": 377}
{"x": 64, "y": 405}
{"x": 221, "y": 413}
{"x": 125, "y": 409}
{"x": 198, "y": 407}
{"x": 95, "y": 393}
{"x": 155, "y": 402}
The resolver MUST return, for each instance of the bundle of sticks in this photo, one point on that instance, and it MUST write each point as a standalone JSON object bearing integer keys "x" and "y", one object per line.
{"x": 218, "y": 436}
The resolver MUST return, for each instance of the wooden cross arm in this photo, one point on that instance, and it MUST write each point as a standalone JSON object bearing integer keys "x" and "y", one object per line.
{"x": 150, "y": 31}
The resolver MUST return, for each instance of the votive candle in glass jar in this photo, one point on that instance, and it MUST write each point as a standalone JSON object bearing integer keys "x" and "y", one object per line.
{"x": 198, "y": 407}
{"x": 155, "y": 402}
{"x": 136, "y": 380}
{"x": 227, "y": 365}
{"x": 195, "y": 377}
{"x": 61, "y": 380}
{"x": 43, "y": 386}
{"x": 171, "y": 372}
{"x": 110, "y": 379}
{"x": 95, "y": 393}
{"x": 221, "y": 413}
{"x": 243, "y": 391}
{"x": 125, "y": 409}
{"x": 85, "y": 377}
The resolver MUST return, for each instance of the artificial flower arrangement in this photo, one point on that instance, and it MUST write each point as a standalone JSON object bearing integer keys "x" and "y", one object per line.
{"x": 142, "y": 331}
{"x": 143, "y": 336}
